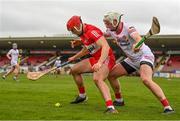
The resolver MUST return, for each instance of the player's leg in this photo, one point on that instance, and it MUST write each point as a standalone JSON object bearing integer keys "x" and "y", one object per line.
{"x": 119, "y": 70}
{"x": 76, "y": 71}
{"x": 99, "y": 78}
{"x": 8, "y": 73}
{"x": 146, "y": 76}
{"x": 16, "y": 71}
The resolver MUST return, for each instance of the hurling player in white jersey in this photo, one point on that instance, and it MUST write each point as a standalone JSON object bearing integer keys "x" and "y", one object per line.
{"x": 56, "y": 64}
{"x": 140, "y": 59}
{"x": 13, "y": 55}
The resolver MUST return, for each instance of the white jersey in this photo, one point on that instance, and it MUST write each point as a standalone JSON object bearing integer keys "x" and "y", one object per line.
{"x": 14, "y": 56}
{"x": 57, "y": 63}
{"x": 125, "y": 42}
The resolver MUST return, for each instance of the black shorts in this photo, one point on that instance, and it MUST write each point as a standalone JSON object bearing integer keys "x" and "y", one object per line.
{"x": 130, "y": 69}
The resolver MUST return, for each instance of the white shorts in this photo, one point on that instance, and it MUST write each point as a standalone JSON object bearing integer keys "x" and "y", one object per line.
{"x": 14, "y": 63}
{"x": 132, "y": 66}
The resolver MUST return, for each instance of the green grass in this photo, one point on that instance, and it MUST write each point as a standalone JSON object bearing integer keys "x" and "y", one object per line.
{"x": 35, "y": 100}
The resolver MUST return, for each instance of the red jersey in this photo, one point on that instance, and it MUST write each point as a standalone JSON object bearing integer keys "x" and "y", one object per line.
{"x": 90, "y": 36}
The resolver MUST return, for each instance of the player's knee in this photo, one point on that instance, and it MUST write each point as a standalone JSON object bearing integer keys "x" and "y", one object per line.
{"x": 111, "y": 78}
{"x": 145, "y": 80}
{"x": 97, "y": 81}
{"x": 73, "y": 71}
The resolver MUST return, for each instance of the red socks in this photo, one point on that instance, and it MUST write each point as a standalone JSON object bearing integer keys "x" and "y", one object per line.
{"x": 118, "y": 95}
{"x": 109, "y": 104}
{"x": 165, "y": 102}
{"x": 81, "y": 90}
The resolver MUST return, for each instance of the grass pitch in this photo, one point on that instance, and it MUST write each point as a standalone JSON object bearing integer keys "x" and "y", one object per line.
{"x": 35, "y": 100}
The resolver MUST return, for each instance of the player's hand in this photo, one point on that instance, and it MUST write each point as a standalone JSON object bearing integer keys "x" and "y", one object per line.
{"x": 135, "y": 49}
{"x": 71, "y": 59}
{"x": 115, "y": 42}
{"x": 75, "y": 43}
{"x": 97, "y": 66}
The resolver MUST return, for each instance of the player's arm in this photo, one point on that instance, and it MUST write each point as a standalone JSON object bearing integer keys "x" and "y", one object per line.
{"x": 105, "y": 49}
{"x": 84, "y": 51}
{"x": 136, "y": 36}
{"x": 8, "y": 55}
{"x": 104, "y": 52}
{"x": 75, "y": 43}
{"x": 80, "y": 54}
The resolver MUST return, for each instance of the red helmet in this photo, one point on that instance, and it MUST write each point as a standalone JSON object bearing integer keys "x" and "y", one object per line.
{"x": 74, "y": 21}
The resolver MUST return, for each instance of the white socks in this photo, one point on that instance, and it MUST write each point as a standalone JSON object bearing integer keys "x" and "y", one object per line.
{"x": 168, "y": 107}
{"x": 111, "y": 107}
{"x": 119, "y": 100}
{"x": 82, "y": 95}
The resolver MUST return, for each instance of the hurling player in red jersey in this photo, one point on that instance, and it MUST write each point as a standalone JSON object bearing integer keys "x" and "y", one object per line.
{"x": 100, "y": 64}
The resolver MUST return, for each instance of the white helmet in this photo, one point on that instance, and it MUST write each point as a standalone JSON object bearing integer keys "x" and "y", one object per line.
{"x": 58, "y": 58}
{"x": 110, "y": 16}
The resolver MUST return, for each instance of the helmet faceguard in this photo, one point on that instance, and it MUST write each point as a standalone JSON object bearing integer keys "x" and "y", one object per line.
{"x": 111, "y": 16}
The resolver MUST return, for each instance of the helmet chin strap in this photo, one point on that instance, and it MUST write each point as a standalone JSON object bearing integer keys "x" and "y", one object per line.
{"x": 115, "y": 26}
{"x": 80, "y": 30}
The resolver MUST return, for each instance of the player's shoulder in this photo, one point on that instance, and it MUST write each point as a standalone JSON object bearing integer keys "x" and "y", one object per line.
{"x": 93, "y": 31}
{"x": 90, "y": 26}
{"x": 129, "y": 28}
{"x": 126, "y": 26}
